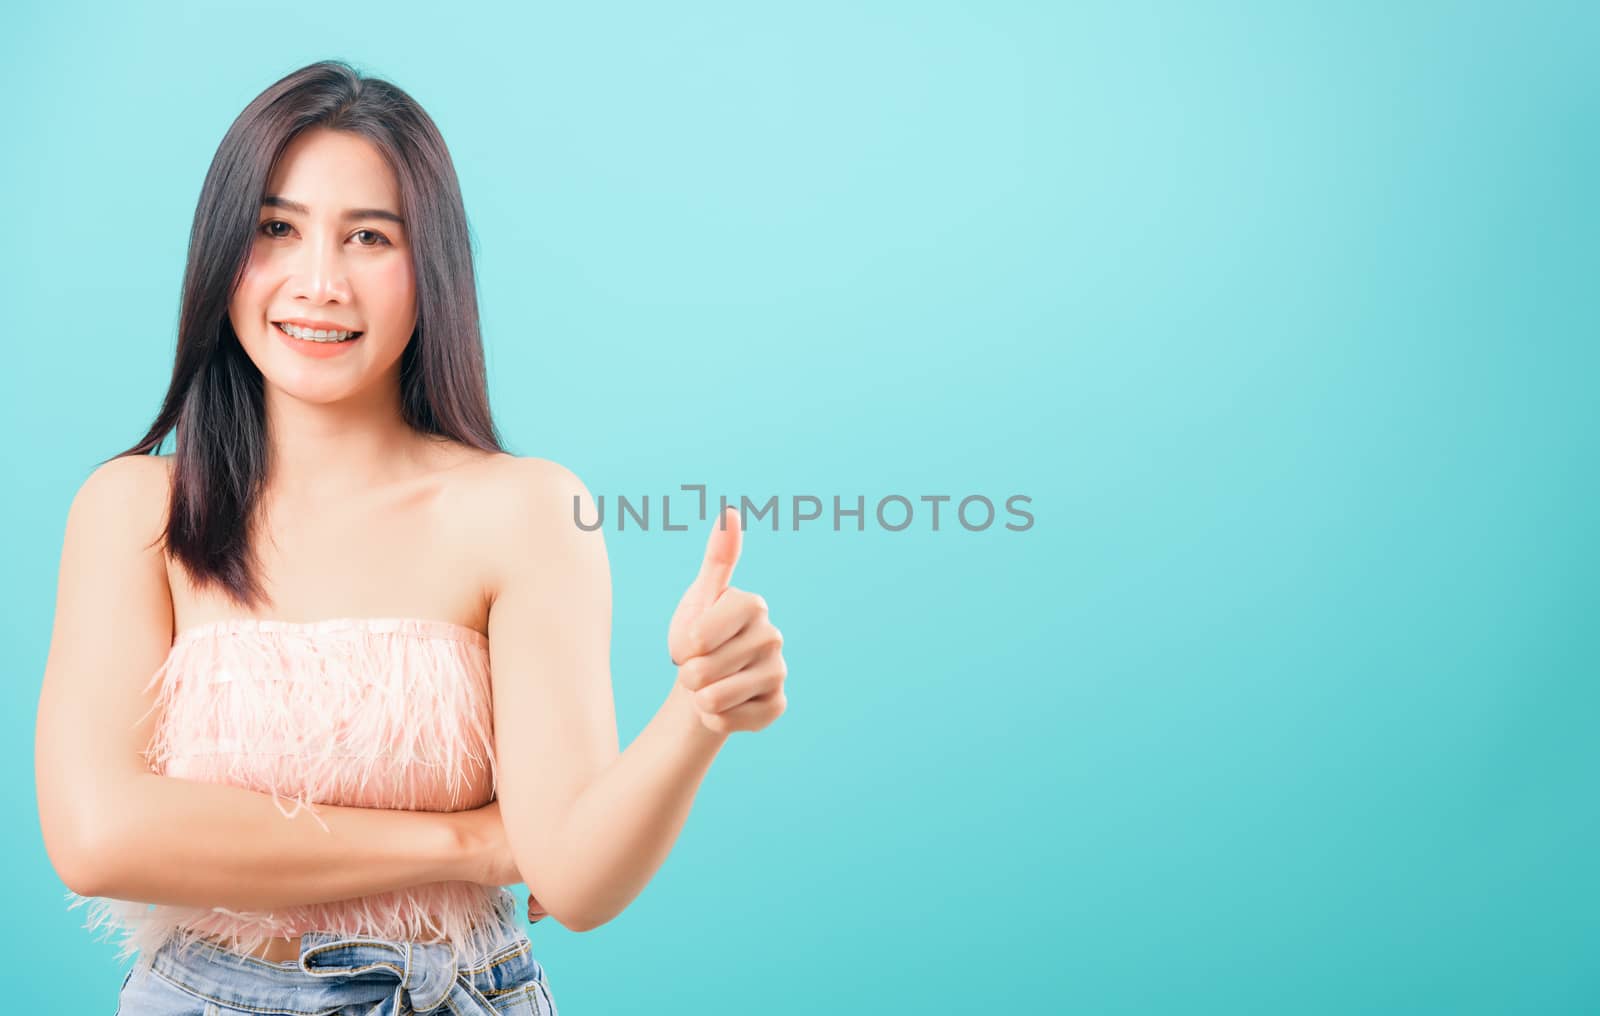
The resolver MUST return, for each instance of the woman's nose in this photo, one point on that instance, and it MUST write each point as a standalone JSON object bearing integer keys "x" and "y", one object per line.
{"x": 320, "y": 274}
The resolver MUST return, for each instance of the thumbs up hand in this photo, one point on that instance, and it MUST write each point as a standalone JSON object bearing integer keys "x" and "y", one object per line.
{"x": 728, "y": 652}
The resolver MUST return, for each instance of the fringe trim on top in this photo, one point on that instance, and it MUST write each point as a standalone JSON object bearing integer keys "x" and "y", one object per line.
{"x": 390, "y": 713}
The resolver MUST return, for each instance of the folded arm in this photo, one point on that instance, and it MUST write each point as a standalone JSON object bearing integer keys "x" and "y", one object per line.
{"x": 113, "y": 828}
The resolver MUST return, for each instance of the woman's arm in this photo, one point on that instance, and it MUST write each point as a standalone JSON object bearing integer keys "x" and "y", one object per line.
{"x": 205, "y": 845}
{"x": 113, "y": 828}
{"x": 591, "y": 826}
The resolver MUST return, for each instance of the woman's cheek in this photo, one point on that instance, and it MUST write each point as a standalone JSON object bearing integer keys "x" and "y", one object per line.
{"x": 253, "y": 286}
{"x": 395, "y": 282}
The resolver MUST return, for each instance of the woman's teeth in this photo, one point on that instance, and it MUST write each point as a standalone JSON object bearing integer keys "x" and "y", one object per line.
{"x": 315, "y": 334}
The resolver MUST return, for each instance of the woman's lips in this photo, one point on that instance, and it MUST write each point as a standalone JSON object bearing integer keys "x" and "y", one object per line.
{"x": 319, "y": 350}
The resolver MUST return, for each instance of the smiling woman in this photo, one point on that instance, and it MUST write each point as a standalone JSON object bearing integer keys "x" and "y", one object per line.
{"x": 321, "y": 339}
{"x": 299, "y": 602}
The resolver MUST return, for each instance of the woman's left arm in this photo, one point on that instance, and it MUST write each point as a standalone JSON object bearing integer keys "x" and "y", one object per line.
{"x": 589, "y": 825}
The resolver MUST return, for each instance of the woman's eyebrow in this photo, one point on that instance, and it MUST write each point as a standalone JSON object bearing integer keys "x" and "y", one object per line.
{"x": 275, "y": 201}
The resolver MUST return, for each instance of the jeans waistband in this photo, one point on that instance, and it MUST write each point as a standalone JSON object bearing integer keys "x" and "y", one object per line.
{"x": 336, "y": 970}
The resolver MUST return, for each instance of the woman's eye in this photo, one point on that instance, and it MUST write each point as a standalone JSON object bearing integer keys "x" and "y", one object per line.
{"x": 364, "y": 237}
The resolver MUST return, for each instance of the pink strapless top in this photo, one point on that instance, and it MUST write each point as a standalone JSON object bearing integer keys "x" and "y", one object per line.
{"x": 370, "y": 712}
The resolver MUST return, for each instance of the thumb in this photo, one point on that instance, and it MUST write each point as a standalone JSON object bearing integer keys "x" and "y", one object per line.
{"x": 716, "y": 570}
{"x": 722, "y": 553}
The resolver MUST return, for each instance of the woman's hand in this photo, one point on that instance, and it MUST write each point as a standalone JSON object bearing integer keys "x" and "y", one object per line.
{"x": 729, "y": 653}
{"x": 488, "y": 850}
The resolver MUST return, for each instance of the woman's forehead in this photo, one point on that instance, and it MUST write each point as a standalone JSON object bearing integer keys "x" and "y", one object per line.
{"x": 326, "y": 171}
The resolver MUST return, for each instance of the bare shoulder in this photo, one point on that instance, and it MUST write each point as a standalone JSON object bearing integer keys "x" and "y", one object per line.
{"x": 512, "y": 487}
{"x": 126, "y": 474}
{"x": 130, "y": 492}
{"x": 525, "y": 510}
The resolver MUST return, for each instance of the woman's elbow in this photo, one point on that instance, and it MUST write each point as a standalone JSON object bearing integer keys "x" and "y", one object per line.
{"x": 82, "y": 850}
{"x": 78, "y": 863}
{"x": 581, "y": 925}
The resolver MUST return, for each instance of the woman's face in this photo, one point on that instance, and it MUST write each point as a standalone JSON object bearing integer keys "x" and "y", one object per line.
{"x": 329, "y": 253}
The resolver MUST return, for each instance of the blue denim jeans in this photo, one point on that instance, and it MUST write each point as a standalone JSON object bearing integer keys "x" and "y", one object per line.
{"x": 347, "y": 975}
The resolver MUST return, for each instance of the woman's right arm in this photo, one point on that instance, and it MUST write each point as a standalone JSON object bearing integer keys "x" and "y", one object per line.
{"x": 111, "y": 826}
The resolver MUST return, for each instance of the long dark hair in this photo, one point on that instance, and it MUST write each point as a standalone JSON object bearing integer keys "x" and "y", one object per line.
{"x": 215, "y": 400}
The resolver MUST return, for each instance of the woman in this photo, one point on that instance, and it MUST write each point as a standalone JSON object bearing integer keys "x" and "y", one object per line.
{"x": 298, "y": 603}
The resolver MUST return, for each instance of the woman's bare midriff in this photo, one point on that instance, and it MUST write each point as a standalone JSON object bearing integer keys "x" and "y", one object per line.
{"x": 274, "y": 950}
{"x": 279, "y": 950}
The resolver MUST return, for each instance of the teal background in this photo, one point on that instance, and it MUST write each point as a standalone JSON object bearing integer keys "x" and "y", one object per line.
{"x": 1284, "y": 317}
